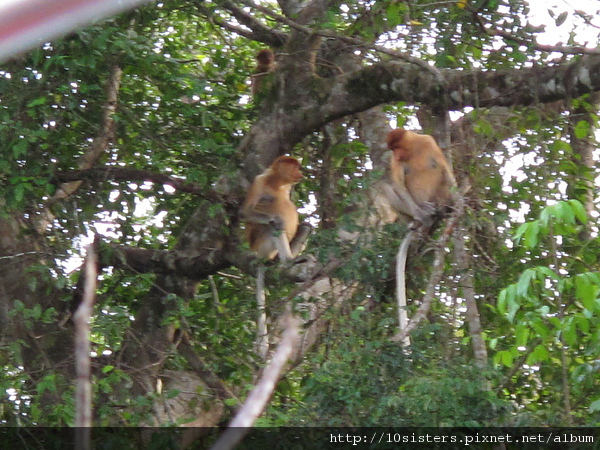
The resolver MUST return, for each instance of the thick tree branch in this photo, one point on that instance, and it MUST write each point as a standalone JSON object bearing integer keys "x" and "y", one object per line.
{"x": 199, "y": 265}
{"x": 125, "y": 174}
{"x": 166, "y": 262}
{"x": 389, "y": 82}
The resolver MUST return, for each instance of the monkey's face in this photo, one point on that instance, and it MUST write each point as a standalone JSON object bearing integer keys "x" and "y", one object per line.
{"x": 292, "y": 173}
{"x": 401, "y": 153}
{"x": 395, "y": 138}
{"x": 287, "y": 169}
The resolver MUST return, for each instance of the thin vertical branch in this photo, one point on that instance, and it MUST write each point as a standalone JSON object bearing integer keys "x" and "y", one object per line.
{"x": 81, "y": 319}
{"x": 581, "y": 187}
{"x": 105, "y": 136}
{"x": 99, "y": 146}
{"x": 468, "y": 292}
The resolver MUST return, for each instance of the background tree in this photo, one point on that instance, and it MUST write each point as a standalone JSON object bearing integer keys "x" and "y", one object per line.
{"x": 140, "y": 130}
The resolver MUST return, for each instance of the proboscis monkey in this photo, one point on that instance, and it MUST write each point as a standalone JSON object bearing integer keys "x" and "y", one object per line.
{"x": 265, "y": 63}
{"x": 272, "y": 225}
{"x": 420, "y": 189}
{"x": 420, "y": 176}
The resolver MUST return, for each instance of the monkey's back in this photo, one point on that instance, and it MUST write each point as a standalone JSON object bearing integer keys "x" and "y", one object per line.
{"x": 427, "y": 175}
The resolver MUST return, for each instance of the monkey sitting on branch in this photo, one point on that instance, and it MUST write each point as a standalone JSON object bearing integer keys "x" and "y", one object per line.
{"x": 420, "y": 190}
{"x": 272, "y": 226}
{"x": 265, "y": 64}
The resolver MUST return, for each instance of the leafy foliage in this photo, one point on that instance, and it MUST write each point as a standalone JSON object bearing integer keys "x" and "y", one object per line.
{"x": 184, "y": 110}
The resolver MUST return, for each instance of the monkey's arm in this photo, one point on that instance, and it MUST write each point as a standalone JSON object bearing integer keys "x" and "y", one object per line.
{"x": 257, "y": 196}
{"x": 274, "y": 221}
{"x": 401, "y": 200}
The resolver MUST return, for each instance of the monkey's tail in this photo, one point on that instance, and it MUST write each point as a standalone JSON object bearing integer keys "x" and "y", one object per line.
{"x": 401, "y": 284}
{"x": 262, "y": 338}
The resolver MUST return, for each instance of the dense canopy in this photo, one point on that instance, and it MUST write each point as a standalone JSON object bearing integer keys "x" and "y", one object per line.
{"x": 140, "y": 133}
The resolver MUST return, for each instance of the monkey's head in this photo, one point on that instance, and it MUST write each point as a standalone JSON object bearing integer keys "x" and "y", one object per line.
{"x": 395, "y": 142}
{"x": 288, "y": 168}
{"x": 395, "y": 138}
{"x": 265, "y": 57}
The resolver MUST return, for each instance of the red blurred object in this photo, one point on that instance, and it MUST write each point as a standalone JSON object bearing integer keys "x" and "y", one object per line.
{"x": 25, "y": 24}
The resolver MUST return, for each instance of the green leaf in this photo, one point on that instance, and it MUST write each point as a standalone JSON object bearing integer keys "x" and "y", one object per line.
{"x": 582, "y": 129}
{"x": 172, "y": 393}
{"x": 528, "y": 232}
{"x": 579, "y": 210}
{"x": 570, "y": 333}
{"x": 539, "y": 354}
{"x": 513, "y": 308}
{"x": 525, "y": 281}
{"x": 521, "y": 335}
{"x": 506, "y": 358}
{"x": 565, "y": 213}
{"x": 586, "y": 291}
{"x": 540, "y": 329}
{"x": 36, "y": 102}
{"x": 505, "y": 297}
{"x": 20, "y": 148}
{"x": 231, "y": 402}
{"x": 547, "y": 272}
{"x": 582, "y": 323}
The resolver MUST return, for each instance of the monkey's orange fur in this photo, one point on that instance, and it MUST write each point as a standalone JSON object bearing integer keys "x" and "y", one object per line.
{"x": 268, "y": 207}
{"x": 420, "y": 174}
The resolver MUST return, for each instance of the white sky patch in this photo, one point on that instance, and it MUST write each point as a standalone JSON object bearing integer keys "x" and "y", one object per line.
{"x": 587, "y": 35}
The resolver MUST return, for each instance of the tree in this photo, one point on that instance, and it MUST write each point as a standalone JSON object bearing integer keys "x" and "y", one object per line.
{"x": 140, "y": 130}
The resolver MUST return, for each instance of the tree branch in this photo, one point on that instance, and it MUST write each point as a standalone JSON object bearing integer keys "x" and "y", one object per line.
{"x": 81, "y": 319}
{"x": 199, "y": 265}
{"x": 359, "y": 43}
{"x": 571, "y": 50}
{"x": 388, "y": 82}
{"x": 104, "y": 138}
{"x": 261, "y": 393}
{"x": 167, "y": 262}
{"x": 126, "y": 174}
{"x": 186, "y": 350}
{"x": 259, "y": 31}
